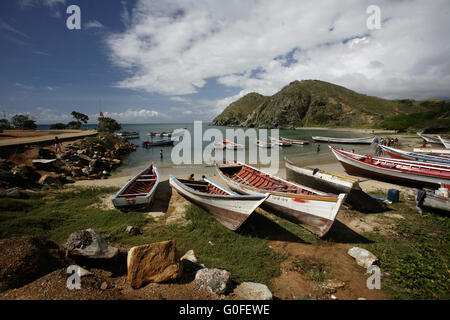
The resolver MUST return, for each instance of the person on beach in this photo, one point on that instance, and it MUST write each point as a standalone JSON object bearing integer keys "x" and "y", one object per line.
{"x": 378, "y": 151}
{"x": 318, "y": 148}
{"x": 191, "y": 177}
{"x": 57, "y": 146}
{"x": 161, "y": 154}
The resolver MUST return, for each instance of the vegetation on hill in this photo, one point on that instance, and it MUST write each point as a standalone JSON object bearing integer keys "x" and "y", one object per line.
{"x": 435, "y": 119}
{"x": 313, "y": 103}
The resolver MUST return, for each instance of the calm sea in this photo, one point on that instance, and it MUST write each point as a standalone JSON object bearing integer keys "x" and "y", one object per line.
{"x": 303, "y": 155}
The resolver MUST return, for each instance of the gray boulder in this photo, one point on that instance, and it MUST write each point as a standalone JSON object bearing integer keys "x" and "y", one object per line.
{"x": 363, "y": 257}
{"x": 253, "y": 291}
{"x": 214, "y": 280}
{"x": 89, "y": 244}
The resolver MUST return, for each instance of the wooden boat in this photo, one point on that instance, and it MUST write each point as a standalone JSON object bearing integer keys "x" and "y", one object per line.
{"x": 139, "y": 191}
{"x": 365, "y": 140}
{"x": 445, "y": 142}
{"x": 128, "y": 135}
{"x": 219, "y": 145}
{"x": 438, "y": 151}
{"x": 154, "y": 143}
{"x": 229, "y": 208}
{"x": 334, "y": 183}
{"x": 279, "y": 142}
{"x": 430, "y": 139}
{"x": 314, "y": 210}
{"x": 160, "y": 134}
{"x": 263, "y": 144}
{"x": 231, "y": 145}
{"x": 406, "y": 171}
{"x": 294, "y": 141}
{"x": 400, "y": 154}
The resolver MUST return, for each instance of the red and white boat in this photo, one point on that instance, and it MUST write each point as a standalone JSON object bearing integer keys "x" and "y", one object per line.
{"x": 263, "y": 144}
{"x": 229, "y": 208}
{"x": 401, "y": 154}
{"x": 434, "y": 151}
{"x": 279, "y": 142}
{"x": 434, "y": 141}
{"x": 314, "y": 210}
{"x": 406, "y": 171}
{"x": 294, "y": 141}
{"x": 231, "y": 145}
{"x": 365, "y": 140}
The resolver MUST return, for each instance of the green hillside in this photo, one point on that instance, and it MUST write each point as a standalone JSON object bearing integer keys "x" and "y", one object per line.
{"x": 313, "y": 103}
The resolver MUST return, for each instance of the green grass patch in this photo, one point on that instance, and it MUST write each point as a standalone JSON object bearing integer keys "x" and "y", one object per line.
{"x": 417, "y": 258}
{"x": 313, "y": 270}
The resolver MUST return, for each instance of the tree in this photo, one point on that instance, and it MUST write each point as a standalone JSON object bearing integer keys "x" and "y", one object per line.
{"x": 23, "y": 122}
{"x": 80, "y": 117}
{"x": 107, "y": 125}
{"x": 57, "y": 126}
{"x": 4, "y": 124}
{"x": 74, "y": 125}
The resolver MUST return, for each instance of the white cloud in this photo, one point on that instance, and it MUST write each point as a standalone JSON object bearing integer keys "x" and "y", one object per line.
{"x": 24, "y": 86}
{"x": 94, "y": 24}
{"x": 174, "y": 48}
{"x": 133, "y": 115}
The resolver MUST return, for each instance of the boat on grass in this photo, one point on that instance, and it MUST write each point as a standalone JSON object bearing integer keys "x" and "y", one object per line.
{"x": 229, "y": 208}
{"x": 314, "y": 210}
{"x": 294, "y": 141}
{"x": 438, "y": 200}
{"x": 406, "y": 171}
{"x": 405, "y": 155}
{"x": 139, "y": 191}
{"x": 365, "y": 140}
{"x": 334, "y": 183}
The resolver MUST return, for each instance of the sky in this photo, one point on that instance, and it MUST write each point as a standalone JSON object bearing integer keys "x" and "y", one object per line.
{"x": 155, "y": 61}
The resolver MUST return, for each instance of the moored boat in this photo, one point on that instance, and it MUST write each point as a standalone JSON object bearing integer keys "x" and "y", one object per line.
{"x": 401, "y": 154}
{"x": 231, "y": 145}
{"x": 314, "y": 210}
{"x": 365, "y": 140}
{"x": 128, "y": 135}
{"x": 154, "y": 143}
{"x": 263, "y": 144}
{"x": 406, "y": 171}
{"x": 279, "y": 142}
{"x": 334, "y": 183}
{"x": 295, "y": 141}
{"x": 139, "y": 191}
{"x": 229, "y": 208}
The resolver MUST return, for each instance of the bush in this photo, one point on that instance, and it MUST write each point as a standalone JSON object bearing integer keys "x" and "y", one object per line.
{"x": 57, "y": 126}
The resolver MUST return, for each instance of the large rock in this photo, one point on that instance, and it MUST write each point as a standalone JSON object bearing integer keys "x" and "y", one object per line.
{"x": 156, "y": 262}
{"x": 363, "y": 257}
{"x": 253, "y": 291}
{"x": 25, "y": 259}
{"x": 214, "y": 280}
{"x": 89, "y": 244}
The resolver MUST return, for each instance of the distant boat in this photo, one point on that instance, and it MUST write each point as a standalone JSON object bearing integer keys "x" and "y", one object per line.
{"x": 406, "y": 171}
{"x": 160, "y": 134}
{"x": 438, "y": 151}
{"x": 139, "y": 191}
{"x": 128, "y": 135}
{"x": 445, "y": 142}
{"x": 334, "y": 183}
{"x": 219, "y": 145}
{"x": 405, "y": 155}
{"x": 279, "y": 142}
{"x": 434, "y": 141}
{"x": 229, "y": 208}
{"x": 313, "y": 209}
{"x": 294, "y": 141}
{"x": 263, "y": 144}
{"x": 154, "y": 143}
{"x": 365, "y": 140}
{"x": 231, "y": 145}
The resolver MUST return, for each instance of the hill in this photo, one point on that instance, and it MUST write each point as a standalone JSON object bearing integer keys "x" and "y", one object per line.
{"x": 313, "y": 103}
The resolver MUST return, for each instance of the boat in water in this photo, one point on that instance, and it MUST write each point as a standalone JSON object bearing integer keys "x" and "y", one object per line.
{"x": 279, "y": 142}
{"x": 229, "y": 208}
{"x": 128, "y": 135}
{"x": 406, "y": 171}
{"x": 232, "y": 146}
{"x": 314, "y": 210}
{"x": 405, "y": 155}
{"x": 334, "y": 183}
{"x": 139, "y": 191}
{"x": 155, "y": 143}
{"x": 263, "y": 144}
{"x": 294, "y": 141}
{"x": 365, "y": 140}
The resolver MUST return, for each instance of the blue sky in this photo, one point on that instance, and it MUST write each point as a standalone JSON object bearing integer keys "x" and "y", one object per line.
{"x": 176, "y": 61}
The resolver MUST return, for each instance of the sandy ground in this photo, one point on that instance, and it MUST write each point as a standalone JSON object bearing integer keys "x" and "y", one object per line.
{"x": 21, "y": 137}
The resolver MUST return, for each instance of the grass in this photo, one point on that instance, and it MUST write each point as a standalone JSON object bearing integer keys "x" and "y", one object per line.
{"x": 313, "y": 270}
{"x": 416, "y": 259}
{"x": 60, "y": 212}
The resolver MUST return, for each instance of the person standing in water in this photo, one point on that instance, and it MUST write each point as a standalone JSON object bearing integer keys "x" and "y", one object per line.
{"x": 318, "y": 148}
{"x": 161, "y": 154}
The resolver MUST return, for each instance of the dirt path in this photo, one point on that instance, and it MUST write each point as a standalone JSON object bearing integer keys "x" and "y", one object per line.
{"x": 11, "y": 138}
